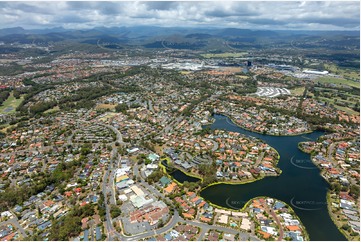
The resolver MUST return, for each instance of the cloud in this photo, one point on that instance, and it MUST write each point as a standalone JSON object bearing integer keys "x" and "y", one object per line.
{"x": 341, "y": 15}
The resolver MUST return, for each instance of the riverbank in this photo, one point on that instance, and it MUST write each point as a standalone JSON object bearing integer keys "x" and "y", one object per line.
{"x": 179, "y": 169}
{"x": 338, "y": 222}
{"x": 231, "y": 182}
{"x": 264, "y": 133}
{"x": 334, "y": 215}
{"x": 292, "y": 184}
{"x": 322, "y": 173}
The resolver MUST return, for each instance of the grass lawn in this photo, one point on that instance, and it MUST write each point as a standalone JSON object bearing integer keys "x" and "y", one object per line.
{"x": 10, "y": 105}
{"x": 242, "y": 77}
{"x": 105, "y": 106}
{"x": 54, "y": 109}
{"x": 343, "y": 72}
{"x": 4, "y": 127}
{"x": 224, "y": 55}
{"x": 346, "y": 109}
{"x": 158, "y": 149}
{"x": 107, "y": 116}
{"x": 298, "y": 91}
{"x": 340, "y": 81}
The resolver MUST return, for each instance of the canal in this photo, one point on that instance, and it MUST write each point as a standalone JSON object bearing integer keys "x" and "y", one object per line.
{"x": 300, "y": 184}
{"x": 179, "y": 175}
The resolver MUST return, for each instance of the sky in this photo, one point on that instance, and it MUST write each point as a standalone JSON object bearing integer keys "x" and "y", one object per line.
{"x": 287, "y": 15}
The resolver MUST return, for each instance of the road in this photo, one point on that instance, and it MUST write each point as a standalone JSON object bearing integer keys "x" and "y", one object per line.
{"x": 215, "y": 144}
{"x": 116, "y": 131}
{"x": 112, "y": 233}
{"x": 259, "y": 160}
{"x": 14, "y": 221}
{"x": 205, "y": 227}
{"x": 150, "y": 105}
{"x": 170, "y": 125}
{"x": 275, "y": 218}
{"x": 105, "y": 189}
{"x": 108, "y": 187}
{"x": 176, "y": 218}
{"x": 44, "y": 165}
{"x": 330, "y": 152}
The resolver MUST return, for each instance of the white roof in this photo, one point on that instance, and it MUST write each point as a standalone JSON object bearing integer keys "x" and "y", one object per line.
{"x": 152, "y": 166}
{"x": 246, "y": 224}
{"x": 139, "y": 201}
{"x": 6, "y": 214}
{"x": 126, "y": 191}
{"x": 223, "y": 219}
{"x": 123, "y": 197}
{"x": 130, "y": 182}
{"x": 217, "y": 210}
{"x": 239, "y": 214}
{"x": 137, "y": 190}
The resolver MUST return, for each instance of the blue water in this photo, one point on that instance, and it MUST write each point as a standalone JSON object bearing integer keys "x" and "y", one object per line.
{"x": 181, "y": 176}
{"x": 300, "y": 184}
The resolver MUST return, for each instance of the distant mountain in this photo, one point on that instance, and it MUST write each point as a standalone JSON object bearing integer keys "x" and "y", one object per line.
{"x": 181, "y": 37}
{"x": 199, "y": 36}
{"x": 8, "y": 31}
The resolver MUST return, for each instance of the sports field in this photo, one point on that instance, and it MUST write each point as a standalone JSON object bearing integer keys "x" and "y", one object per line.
{"x": 10, "y": 104}
{"x": 339, "y": 81}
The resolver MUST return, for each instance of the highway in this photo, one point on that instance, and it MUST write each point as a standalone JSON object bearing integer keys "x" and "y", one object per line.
{"x": 108, "y": 187}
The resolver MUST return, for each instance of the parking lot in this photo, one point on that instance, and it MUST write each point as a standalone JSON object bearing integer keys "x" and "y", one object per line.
{"x": 272, "y": 91}
{"x": 135, "y": 228}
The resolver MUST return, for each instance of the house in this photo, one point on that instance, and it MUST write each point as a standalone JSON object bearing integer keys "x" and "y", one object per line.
{"x": 295, "y": 236}
{"x": 187, "y": 216}
{"x": 293, "y": 228}
{"x": 246, "y": 224}
{"x": 98, "y": 233}
{"x": 278, "y": 205}
{"x": 86, "y": 235}
{"x": 268, "y": 229}
{"x": 122, "y": 185}
{"x": 153, "y": 157}
{"x": 68, "y": 193}
{"x": 265, "y": 235}
{"x": 205, "y": 220}
{"x": 6, "y": 214}
{"x": 168, "y": 237}
{"x": 213, "y": 236}
{"x": 229, "y": 237}
{"x": 44, "y": 225}
{"x": 165, "y": 181}
{"x": 223, "y": 219}
{"x": 170, "y": 188}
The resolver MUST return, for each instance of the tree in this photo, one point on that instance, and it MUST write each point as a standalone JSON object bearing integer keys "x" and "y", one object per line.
{"x": 115, "y": 211}
{"x": 121, "y": 108}
{"x": 355, "y": 191}
{"x": 16, "y": 93}
{"x": 160, "y": 223}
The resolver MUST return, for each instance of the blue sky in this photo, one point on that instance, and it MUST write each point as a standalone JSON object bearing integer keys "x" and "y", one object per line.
{"x": 306, "y": 15}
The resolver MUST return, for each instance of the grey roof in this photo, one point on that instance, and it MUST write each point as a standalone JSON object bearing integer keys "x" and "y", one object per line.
{"x": 86, "y": 235}
{"x": 98, "y": 233}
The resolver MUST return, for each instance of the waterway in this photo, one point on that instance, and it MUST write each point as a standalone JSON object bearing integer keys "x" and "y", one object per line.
{"x": 179, "y": 175}
{"x": 300, "y": 185}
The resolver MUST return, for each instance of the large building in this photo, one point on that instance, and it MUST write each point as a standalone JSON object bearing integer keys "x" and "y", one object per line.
{"x": 315, "y": 72}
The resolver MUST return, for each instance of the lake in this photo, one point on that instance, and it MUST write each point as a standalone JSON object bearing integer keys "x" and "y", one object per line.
{"x": 179, "y": 175}
{"x": 300, "y": 185}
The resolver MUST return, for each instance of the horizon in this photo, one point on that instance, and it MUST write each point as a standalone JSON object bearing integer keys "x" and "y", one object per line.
{"x": 255, "y": 15}
{"x": 190, "y": 27}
